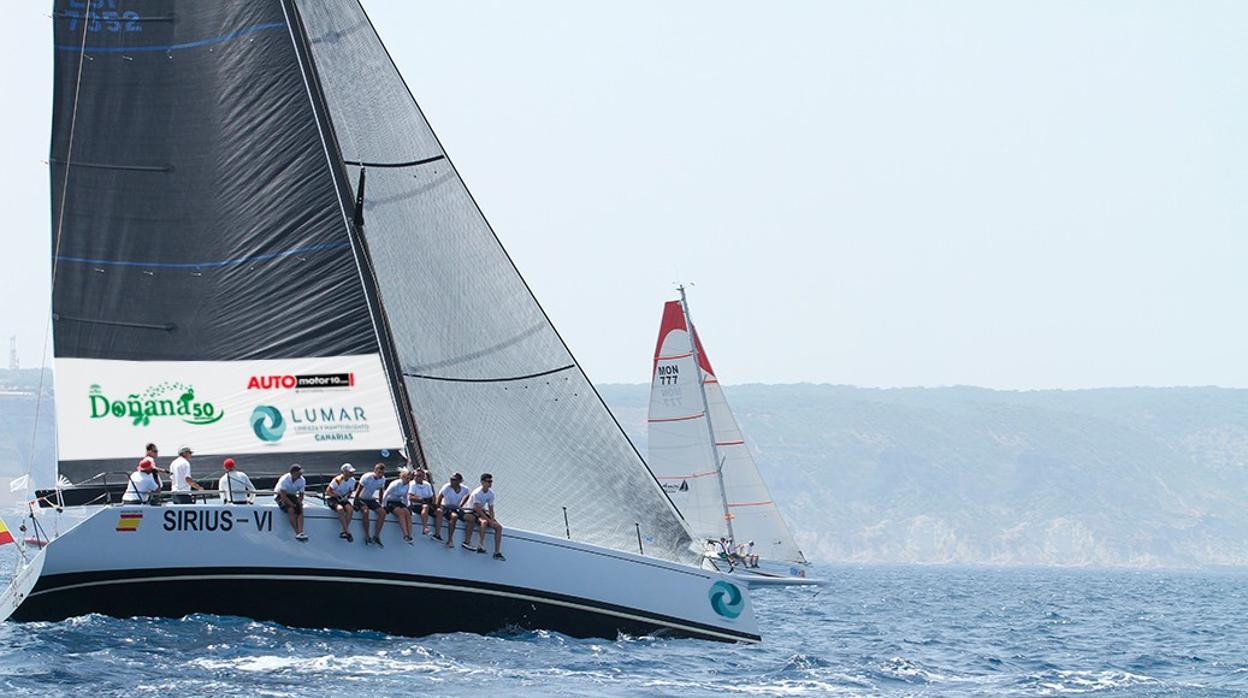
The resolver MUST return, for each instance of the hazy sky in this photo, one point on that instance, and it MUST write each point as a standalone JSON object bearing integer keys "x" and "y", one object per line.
{"x": 1019, "y": 195}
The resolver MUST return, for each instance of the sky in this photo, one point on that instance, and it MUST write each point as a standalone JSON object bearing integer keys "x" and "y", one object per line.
{"x": 1013, "y": 195}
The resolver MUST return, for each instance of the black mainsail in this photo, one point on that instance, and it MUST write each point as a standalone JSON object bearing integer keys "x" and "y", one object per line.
{"x": 206, "y": 290}
{"x": 212, "y": 285}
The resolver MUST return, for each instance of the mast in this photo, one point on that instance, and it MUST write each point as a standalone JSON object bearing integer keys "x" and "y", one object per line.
{"x": 706, "y": 410}
{"x": 355, "y": 228}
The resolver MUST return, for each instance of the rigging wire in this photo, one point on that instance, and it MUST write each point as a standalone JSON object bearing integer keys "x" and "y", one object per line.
{"x": 56, "y": 243}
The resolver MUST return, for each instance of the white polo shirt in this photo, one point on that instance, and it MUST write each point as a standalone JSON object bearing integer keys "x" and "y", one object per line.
{"x": 235, "y": 484}
{"x": 451, "y": 498}
{"x": 396, "y": 492}
{"x": 342, "y": 489}
{"x": 370, "y": 484}
{"x": 420, "y": 490}
{"x": 141, "y": 485}
{"x": 480, "y": 496}
{"x": 290, "y": 486}
{"x": 179, "y": 470}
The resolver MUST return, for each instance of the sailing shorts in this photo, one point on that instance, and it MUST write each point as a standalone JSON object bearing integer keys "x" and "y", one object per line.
{"x": 372, "y": 504}
{"x": 448, "y": 511}
{"x": 415, "y": 506}
{"x": 334, "y": 502}
{"x": 295, "y": 504}
{"x": 392, "y": 505}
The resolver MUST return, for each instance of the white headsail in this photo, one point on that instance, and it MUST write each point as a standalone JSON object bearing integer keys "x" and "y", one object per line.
{"x": 707, "y": 470}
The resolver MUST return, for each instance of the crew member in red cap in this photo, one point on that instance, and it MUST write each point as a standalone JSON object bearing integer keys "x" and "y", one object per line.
{"x": 235, "y": 486}
{"x": 142, "y": 484}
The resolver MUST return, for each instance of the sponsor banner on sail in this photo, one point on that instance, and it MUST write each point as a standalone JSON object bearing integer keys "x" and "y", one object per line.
{"x": 109, "y": 409}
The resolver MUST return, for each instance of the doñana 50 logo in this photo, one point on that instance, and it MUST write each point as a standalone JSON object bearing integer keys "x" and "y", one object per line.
{"x": 167, "y": 399}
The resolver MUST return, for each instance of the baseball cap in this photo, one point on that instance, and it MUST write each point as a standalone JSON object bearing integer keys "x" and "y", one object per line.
{"x": 457, "y": 476}
{"x": 147, "y": 464}
{"x": 185, "y": 449}
{"x": 229, "y": 464}
{"x": 348, "y": 468}
{"x": 296, "y": 468}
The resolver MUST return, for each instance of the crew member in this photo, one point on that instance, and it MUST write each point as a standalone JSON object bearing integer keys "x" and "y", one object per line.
{"x": 235, "y": 487}
{"x": 366, "y": 501}
{"x": 338, "y": 498}
{"x": 181, "y": 483}
{"x": 420, "y": 500}
{"x": 450, "y": 500}
{"x": 142, "y": 484}
{"x": 289, "y": 497}
{"x": 395, "y": 502}
{"x": 481, "y": 511}
{"x": 152, "y": 452}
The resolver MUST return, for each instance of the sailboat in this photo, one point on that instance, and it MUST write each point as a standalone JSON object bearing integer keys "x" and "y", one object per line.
{"x": 262, "y": 251}
{"x": 699, "y": 454}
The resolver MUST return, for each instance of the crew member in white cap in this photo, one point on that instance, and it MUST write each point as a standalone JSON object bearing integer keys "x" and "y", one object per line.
{"x": 181, "y": 483}
{"x": 338, "y": 498}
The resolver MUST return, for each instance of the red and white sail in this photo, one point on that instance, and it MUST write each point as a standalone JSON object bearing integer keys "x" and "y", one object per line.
{"x": 697, "y": 450}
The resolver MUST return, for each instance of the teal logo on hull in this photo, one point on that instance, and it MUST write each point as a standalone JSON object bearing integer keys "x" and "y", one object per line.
{"x": 726, "y": 599}
{"x": 268, "y": 424}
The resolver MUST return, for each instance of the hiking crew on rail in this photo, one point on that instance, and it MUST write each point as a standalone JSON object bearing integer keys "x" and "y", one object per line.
{"x": 409, "y": 496}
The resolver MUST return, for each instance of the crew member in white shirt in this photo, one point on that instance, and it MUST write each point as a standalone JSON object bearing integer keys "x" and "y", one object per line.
{"x": 235, "y": 486}
{"x": 289, "y": 497}
{"x": 142, "y": 484}
{"x": 180, "y": 482}
{"x": 420, "y": 499}
{"x": 481, "y": 511}
{"x": 366, "y": 500}
{"x": 338, "y": 498}
{"x": 449, "y": 506}
{"x": 395, "y": 502}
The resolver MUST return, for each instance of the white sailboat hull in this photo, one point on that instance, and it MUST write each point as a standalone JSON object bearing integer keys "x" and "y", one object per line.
{"x": 243, "y": 560}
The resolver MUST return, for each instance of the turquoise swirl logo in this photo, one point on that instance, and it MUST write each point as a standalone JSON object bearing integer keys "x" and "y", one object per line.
{"x": 267, "y": 422}
{"x": 726, "y": 599}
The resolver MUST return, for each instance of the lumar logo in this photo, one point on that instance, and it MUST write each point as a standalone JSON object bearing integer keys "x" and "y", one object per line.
{"x": 165, "y": 400}
{"x": 726, "y": 599}
{"x": 267, "y": 422}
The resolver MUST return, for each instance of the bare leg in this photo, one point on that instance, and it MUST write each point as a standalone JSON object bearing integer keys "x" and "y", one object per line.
{"x": 437, "y": 522}
{"x": 381, "y": 521}
{"x": 294, "y": 519}
{"x": 450, "y": 531}
{"x": 299, "y": 522}
{"x": 364, "y": 514}
{"x": 498, "y": 536}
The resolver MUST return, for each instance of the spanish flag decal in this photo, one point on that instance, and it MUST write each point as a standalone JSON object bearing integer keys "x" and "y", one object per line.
{"x": 129, "y": 522}
{"x": 5, "y": 536}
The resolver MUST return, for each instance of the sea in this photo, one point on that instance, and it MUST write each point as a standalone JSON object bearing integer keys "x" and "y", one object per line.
{"x": 874, "y": 630}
